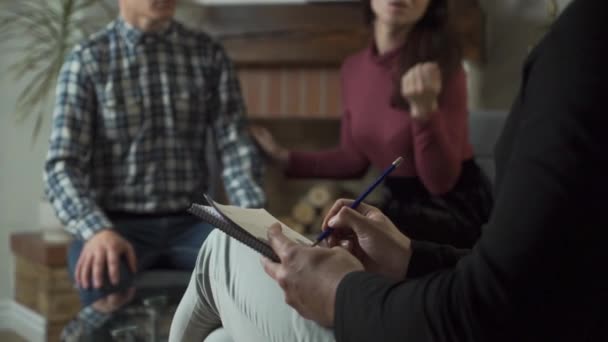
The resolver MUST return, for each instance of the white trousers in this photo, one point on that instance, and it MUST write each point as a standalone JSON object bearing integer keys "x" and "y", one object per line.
{"x": 230, "y": 298}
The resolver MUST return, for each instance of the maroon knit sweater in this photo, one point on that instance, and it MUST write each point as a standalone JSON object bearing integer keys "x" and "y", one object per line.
{"x": 375, "y": 133}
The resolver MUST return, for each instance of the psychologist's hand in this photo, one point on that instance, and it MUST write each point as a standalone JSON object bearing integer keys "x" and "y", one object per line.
{"x": 309, "y": 276}
{"x": 421, "y": 86}
{"x": 271, "y": 148}
{"x": 370, "y": 236}
{"x": 100, "y": 251}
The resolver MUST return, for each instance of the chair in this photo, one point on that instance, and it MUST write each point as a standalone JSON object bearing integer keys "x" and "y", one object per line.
{"x": 149, "y": 316}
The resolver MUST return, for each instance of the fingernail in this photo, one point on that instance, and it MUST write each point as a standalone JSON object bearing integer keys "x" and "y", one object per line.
{"x": 271, "y": 234}
{"x": 274, "y": 230}
{"x": 332, "y": 221}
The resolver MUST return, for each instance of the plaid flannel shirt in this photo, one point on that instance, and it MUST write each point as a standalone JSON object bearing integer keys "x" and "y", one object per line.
{"x": 130, "y": 122}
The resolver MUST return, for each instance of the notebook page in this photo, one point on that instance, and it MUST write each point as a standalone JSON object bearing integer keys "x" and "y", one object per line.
{"x": 257, "y": 222}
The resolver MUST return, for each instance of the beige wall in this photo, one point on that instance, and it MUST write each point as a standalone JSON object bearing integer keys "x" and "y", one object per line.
{"x": 20, "y": 177}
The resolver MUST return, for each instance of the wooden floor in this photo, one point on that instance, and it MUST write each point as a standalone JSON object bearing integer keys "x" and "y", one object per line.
{"x": 9, "y": 336}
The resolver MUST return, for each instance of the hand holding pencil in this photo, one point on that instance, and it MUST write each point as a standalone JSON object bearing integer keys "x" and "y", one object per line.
{"x": 328, "y": 230}
{"x": 370, "y": 236}
{"x": 376, "y": 246}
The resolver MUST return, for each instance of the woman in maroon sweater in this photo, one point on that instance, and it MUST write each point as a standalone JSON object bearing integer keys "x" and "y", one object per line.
{"x": 405, "y": 95}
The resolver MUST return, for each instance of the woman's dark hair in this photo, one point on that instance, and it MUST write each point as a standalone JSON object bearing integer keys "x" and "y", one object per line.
{"x": 431, "y": 39}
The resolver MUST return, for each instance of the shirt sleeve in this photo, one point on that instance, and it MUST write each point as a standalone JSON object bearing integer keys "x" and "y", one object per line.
{"x": 241, "y": 160}
{"x": 428, "y": 257}
{"x": 439, "y": 143}
{"x": 535, "y": 266}
{"x": 67, "y": 161}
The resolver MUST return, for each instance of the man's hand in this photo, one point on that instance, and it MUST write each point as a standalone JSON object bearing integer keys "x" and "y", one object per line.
{"x": 103, "y": 250}
{"x": 421, "y": 86}
{"x": 370, "y": 236}
{"x": 309, "y": 276}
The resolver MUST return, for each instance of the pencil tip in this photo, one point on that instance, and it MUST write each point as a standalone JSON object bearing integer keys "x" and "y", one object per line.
{"x": 398, "y": 161}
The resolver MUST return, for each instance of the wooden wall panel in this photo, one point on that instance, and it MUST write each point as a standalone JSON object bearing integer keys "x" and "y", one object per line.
{"x": 315, "y": 34}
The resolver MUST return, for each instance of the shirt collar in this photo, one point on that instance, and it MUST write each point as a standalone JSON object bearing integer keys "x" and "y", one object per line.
{"x": 135, "y": 36}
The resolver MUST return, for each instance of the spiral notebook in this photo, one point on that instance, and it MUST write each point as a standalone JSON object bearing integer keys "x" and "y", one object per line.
{"x": 249, "y": 226}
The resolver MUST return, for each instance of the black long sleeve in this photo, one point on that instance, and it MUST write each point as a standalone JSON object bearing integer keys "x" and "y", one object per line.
{"x": 429, "y": 257}
{"x": 537, "y": 272}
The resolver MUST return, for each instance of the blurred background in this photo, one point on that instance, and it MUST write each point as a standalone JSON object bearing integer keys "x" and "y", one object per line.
{"x": 287, "y": 54}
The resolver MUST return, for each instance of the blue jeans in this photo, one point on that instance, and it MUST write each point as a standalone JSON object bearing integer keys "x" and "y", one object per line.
{"x": 169, "y": 242}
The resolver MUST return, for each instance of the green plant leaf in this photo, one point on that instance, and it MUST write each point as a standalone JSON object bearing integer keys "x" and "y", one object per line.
{"x": 38, "y": 122}
{"x": 52, "y": 27}
{"x": 84, "y": 5}
{"x": 34, "y": 91}
{"x": 7, "y": 22}
{"x": 37, "y": 125}
{"x": 110, "y": 10}
{"x": 35, "y": 23}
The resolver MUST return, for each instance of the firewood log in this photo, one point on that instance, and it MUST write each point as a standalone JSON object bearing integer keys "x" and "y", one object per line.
{"x": 303, "y": 212}
{"x": 321, "y": 194}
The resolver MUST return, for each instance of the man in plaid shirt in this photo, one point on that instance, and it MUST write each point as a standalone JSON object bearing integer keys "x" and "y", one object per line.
{"x": 127, "y": 154}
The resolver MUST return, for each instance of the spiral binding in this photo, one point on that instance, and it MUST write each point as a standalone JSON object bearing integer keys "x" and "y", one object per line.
{"x": 214, "y": 217}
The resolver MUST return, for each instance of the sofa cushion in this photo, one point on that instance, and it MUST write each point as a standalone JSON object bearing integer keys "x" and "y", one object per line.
{"x": 484, "y": 130}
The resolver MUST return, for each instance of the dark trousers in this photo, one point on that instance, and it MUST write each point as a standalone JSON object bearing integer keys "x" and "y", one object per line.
{"x": 454, "y": 218}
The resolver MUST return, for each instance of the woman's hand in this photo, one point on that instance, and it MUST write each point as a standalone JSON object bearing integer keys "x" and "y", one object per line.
{"x": 271, "y": 148}
{"x": 309, "y": 276}
{"x": 421, "y": 86}
{"x": 371, "y": 237}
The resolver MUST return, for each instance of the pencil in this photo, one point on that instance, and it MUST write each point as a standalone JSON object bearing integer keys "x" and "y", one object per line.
{"x": 326, "y": 232}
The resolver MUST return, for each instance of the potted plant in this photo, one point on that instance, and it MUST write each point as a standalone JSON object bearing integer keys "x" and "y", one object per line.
{"x": 41, "y": 33}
